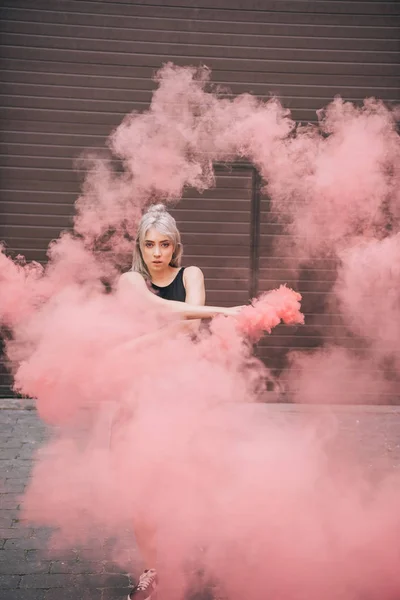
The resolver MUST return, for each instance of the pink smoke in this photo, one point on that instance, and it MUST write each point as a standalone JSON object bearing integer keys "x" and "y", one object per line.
{"x": 160, "y": 428}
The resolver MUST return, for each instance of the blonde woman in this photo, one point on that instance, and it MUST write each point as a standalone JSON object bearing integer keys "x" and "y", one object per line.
{"x": 157, "y": 262}
{"x": 157, "y": 274}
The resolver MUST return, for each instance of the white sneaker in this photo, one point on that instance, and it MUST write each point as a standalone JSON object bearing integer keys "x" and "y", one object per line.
{"x": 145, "y": 587}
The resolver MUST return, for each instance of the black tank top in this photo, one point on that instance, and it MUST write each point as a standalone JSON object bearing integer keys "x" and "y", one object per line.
{"x": 174, "y": 291}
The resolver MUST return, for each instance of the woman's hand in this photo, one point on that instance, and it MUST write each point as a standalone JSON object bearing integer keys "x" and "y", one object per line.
{"x": 233, "y": 311}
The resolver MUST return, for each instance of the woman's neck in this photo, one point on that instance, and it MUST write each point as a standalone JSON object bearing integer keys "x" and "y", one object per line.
{"x": 165, "y": 277}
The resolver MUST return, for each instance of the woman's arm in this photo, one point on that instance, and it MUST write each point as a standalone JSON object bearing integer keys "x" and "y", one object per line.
{"x": 195, "y": 291}
{"x": 193, "y": 280}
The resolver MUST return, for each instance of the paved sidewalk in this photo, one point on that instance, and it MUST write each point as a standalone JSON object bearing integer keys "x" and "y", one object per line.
{"x": 28, "y": 572}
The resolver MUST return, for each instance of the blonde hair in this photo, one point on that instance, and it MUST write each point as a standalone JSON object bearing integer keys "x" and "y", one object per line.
{"x": 158, "y": 217}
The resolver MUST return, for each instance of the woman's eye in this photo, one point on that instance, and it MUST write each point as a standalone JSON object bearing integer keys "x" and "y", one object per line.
{"x": 148, "y": 244}
{"x": 165, "y": 245}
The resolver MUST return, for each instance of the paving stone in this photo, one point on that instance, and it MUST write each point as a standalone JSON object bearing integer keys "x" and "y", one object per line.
{"x": 45, "y": 581}
{"x": 74, "y": 593}
{"x": 77, "y": 567}
{"x": 6, "y": 520}
{"x": 13, "y": 486}
{"x": 25, "y": 595}
{"x": 9, "y": 581}
{"x": 105, "y": 580}
{"x": 9, "y": 453}
{"x": 116, "y": 594}
{"x": 17, "y": 562}
{"x": 33, "y": 543}
{"x": 10, "y": 443}
{"x": 110, "y": 567}
{"x": 15, "y": 532}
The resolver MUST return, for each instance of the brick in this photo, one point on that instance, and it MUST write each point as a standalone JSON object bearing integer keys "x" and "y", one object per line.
{"x": 110, "y": 567}
{"x": 13, "y": 486}
{"x": 45, "y": 581}
{"x": 25, "y": 595}
{"x": 7, "y": 428}
{"x": 15, "y": 562}
{"x": 25, "y": 453}
{"x": 76, "y": 567}
{"x": 9, "y": 581}
{"x": 8, "y": 453}
{"x": 120, "y": 594}
{"x": 19, "y": 472}
{"x": 10, "y": 444}
{"x": 10, "y": 498}
{"x": 15, "y": 532}
{"x": 103, "y": 580}
{"x": 6, "y": 522}
{"x": 13, "y": 554}
{"x": 8, "y": 513}
{"x": 75, "y": 593}
{"x": 23, "y": 568}
{"x": 14, "y": 475}
{"x": 32, "y": 543}
{"x": 42, "y": 532}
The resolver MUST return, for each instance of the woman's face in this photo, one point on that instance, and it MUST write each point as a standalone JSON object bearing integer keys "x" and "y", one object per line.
{"x": 157, "y": 250}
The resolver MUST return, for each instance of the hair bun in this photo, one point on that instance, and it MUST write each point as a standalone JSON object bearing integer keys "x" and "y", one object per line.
{"x": 156, "y": 209}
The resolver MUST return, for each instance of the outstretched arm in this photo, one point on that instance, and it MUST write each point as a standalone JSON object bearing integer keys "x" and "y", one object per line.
{"x": 195, "y": 293}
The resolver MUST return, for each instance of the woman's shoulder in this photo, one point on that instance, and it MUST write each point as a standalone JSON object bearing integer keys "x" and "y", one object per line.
{"x": 193, "y": 273}
{"x": 131, "y": 278}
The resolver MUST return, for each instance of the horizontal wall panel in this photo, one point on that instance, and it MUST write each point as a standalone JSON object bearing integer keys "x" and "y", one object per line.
{"x": 44, "y": 150}
{"x": 99, "y": 96}
{"x": 37, "y": 203}
{"x": 226, "y": 298}
{"x": 31, "y": 232}
{"x": 314, "y": 286}
{"x": 31, "y": 208}
{"x": 291, "y": 65}
{"x": 106, "y": 49}
{"x": 92, "y": 36}
{"x": 127, "y": 76}
{"x": 124, "y": 25}
{"x": 281, "y": 6}
{"x": 84, "y": 86}
{"x": 289, "y": 261}
{"x": 34, "y": 129}
{"x": 49, "y": 101}
{"x": 234, "y": 244}
{"x": 44, "y": 174}
{"x": 32, "y": 183}
{"x": 101, "y": 100}
{"x": 317, "y": 12}
{"x": 16, "y": 220}
{"x": 47, "y": 112}
{"x": 80, "y": 118}
{"x": 223, "y": 229}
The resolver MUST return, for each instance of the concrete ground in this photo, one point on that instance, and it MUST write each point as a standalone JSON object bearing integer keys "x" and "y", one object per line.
{"x": 29, "y": 572}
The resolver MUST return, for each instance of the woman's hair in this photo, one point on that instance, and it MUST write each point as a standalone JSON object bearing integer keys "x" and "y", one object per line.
{"x": 158, "y": 217}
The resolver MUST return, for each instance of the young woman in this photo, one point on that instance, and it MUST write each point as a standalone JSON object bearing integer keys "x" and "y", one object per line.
{"x": 157, "y": 274}
{"x": 157, "y": 263}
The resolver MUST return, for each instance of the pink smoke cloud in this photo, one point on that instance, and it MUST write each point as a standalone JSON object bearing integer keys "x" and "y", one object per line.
{"x": 170, "y": 431}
